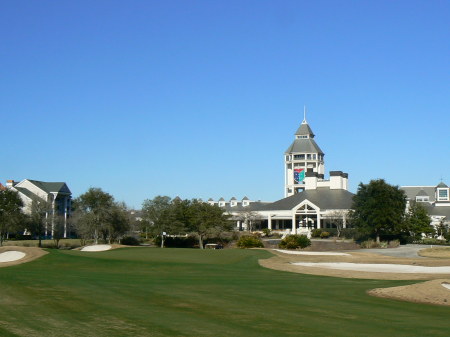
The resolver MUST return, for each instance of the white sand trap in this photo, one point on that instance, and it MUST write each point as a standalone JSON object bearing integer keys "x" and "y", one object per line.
{"x": 296, "y": 252}
{"x": 378, "y": 268}
{"x": 96, "y": 248}
{"x": 446, "y": 285}
{"x": 11, "y": 256}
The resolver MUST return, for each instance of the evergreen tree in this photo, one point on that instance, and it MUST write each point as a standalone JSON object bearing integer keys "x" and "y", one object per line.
{"x": 378, "y": 208}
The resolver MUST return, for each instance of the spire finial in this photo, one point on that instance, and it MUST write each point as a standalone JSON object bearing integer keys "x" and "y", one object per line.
{"x": 304, "y": 114}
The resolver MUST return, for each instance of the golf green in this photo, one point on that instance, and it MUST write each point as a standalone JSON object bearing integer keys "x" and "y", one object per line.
{"x": 188, "y": 292}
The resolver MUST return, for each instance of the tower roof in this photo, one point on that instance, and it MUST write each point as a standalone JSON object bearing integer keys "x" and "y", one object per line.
{"x": 441, "y": 184}
{"x": 302, "y": 145}
{"x": 304, "y": 130}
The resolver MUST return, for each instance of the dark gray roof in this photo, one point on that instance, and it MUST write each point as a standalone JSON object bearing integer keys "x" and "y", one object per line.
{"x": 323, "y": 197}
{"x": 304, "y": 130}
{"x": 245, "y": 198}
{"x": 302, "y": 145}
{"x": 437, "y": 210}
{"x": 49, "y": 187}
{"x": 441, "y": 184}
{"x": 412, "y": 191}
{"x": 422, "y": 193}
{"x": 253, "y": 206}
{"x": 26, "y": 192}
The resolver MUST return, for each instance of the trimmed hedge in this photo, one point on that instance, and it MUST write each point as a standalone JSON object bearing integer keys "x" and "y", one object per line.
{"x": 295, "y": 241}
{"x": 249, "y": 241}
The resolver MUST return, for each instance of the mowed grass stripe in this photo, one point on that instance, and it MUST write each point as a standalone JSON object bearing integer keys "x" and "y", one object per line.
{"x": 187, "y": 292}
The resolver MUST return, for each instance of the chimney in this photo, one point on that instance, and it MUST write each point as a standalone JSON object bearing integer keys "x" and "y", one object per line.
{"x": 10, "y": 183}
{"x": 311, "y": 180}
{"x": 336, "y": 180}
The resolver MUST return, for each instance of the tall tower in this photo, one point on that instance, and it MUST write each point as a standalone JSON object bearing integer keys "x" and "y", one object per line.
{"x": 304, "y": 155}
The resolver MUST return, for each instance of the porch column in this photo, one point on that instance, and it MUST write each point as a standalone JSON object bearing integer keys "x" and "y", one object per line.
{"x": 318, "y": 220}
{"x": 269, "y": 221}
{"x": 294, "y": 225}
{"x": 344, "y": 220}
{"x": 65, "y": 217}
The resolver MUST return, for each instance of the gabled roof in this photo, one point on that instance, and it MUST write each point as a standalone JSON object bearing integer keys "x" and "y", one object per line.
{"x": 323, "y": 197}
{"x": 304, "y": 130}
{"x": 27, "y": 193}
{"x": 50, "y": 187}
{"x": 422, "y": 193}
{"x": 412, "y": 191}
{"x": 442, "y": 185}
{"x": 304, "y": 145}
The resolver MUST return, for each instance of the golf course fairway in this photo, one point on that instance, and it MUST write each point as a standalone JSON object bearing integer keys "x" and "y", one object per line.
{"x": 189, "y": 292}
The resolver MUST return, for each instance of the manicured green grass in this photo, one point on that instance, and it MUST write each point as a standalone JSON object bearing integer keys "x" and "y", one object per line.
{"x": 187, "y": 292}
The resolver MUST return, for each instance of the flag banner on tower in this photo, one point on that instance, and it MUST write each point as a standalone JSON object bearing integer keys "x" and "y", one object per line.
{"x": 299, "y": 175}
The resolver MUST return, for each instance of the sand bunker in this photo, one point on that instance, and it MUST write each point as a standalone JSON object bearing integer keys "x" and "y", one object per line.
{"x": 446, "y": 285}
{"x": 378, "y": 268}
{"x": 431, "y": 292}
{"x": 12, "y": 255}
{"x": 297, "y": 252}
{"x": 96, "y": 248}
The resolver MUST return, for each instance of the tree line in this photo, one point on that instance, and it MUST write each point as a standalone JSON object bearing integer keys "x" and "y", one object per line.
{"x": 97, "y": 216}
{"x": 163, "y": 216}
{"x": 379, "y": 209}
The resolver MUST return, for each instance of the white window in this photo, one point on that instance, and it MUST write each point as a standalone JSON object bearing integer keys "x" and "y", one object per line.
{"x": 442, "y": 194}
{"x": 422, "y": 198}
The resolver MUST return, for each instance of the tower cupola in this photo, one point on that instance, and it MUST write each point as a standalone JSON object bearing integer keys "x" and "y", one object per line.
{"x": 303, "y": 155}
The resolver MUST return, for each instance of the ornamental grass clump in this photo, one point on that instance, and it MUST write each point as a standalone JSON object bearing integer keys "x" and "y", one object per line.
{"x": 249, "y": 241}
{"x": 295, "y": 241}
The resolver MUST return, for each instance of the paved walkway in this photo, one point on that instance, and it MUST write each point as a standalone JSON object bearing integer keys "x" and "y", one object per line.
{"x": 402, "y": 251}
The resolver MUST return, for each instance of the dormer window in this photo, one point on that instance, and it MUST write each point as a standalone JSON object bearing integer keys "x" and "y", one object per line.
{"x": 442, "y": 194}
{"x": 422, "y": 198}
{"x": 245, "y": 203}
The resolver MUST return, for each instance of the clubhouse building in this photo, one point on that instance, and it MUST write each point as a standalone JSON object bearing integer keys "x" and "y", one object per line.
{"x": 313, "y": 201}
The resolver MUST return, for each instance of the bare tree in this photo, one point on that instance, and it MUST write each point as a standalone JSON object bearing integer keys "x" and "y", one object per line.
{"x": 338, "y": 218}
{"x": 249, "y": 218}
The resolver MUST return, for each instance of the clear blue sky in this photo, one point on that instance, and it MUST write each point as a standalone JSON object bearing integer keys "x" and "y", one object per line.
{"x": 202, "y": 98}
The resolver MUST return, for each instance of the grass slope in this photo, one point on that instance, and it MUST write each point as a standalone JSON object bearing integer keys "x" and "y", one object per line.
{"x": 187, "y": 292}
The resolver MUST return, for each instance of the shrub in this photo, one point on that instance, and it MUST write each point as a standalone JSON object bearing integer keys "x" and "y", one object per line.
{"x": 295, "y": 241}
{"x": 431, "y": 241}
{"x": 267, "y": 231}
{"x": 177, "y": 242}
{"x": 316, "y": 233}
{"x": 324, "y": 235}
{"x": 394, "y": 243}
{"x": 130, "y": 241}
{"x": 249, "y": 241}
{"x": 369, "y": 244}
{"x": 373, "y": 244}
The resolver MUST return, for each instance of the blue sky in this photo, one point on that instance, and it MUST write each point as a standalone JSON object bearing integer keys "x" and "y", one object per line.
{"x": 202, "y": 98}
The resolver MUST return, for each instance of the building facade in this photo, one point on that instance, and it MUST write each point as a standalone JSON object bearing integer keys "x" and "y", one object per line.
{"x": 435, "y": 199}
{"x": 55, "y": 194}
{"x": 311, "y": 201}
